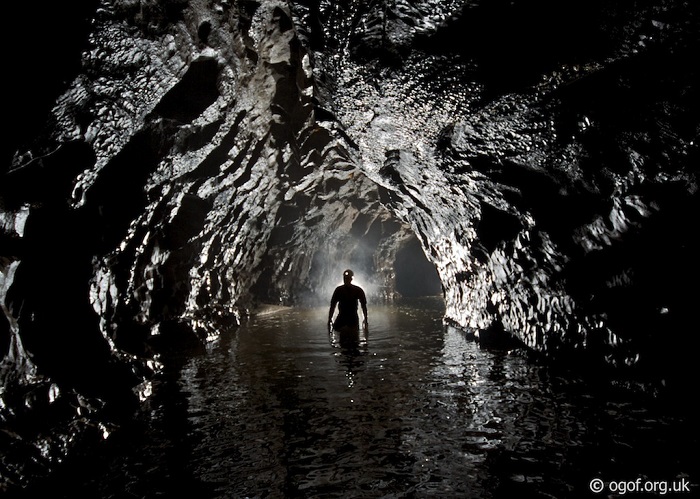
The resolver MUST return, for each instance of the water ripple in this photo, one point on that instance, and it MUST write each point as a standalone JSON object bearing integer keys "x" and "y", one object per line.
{"x": 417, "y": 411}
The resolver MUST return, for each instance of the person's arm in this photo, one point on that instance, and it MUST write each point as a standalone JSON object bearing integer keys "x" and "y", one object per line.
{"x": 330, "y": 312}
{"x": 334, "y": 300}
{"x": 363, "y": 304}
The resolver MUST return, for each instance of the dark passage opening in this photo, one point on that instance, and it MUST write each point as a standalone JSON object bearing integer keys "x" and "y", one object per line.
{"x": 415, "y": 275}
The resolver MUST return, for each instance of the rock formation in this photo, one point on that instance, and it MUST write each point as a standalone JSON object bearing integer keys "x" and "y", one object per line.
{"x": 176, "y": 164}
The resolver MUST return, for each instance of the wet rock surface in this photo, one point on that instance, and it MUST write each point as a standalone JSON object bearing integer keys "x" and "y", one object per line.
{"x": 200, "y": 160}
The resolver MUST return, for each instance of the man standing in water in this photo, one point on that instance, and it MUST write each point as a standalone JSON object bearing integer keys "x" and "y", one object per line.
{"x": 346, "y": 297}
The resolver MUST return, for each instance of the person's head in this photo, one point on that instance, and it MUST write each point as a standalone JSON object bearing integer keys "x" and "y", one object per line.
{"x": 347, "y": 276}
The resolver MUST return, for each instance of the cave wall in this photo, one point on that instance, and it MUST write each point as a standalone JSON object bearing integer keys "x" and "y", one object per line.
{"x": 547, "y": 158}
{"x": 185, "y": 162}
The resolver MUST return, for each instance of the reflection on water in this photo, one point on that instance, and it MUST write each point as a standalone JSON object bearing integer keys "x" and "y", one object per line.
{"x": 278, "y": 408}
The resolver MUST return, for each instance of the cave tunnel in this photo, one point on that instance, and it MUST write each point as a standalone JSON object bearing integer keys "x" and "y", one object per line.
{"x": 383, "y": 252}
{"x": 193, "y": 163}
{"x": 415, "y": 275}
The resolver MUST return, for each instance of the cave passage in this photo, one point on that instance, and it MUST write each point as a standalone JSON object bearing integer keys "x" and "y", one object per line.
{"x": 274, "y": 408}
{"x": 415, "y": 275}
{"x": 185, "y": 166}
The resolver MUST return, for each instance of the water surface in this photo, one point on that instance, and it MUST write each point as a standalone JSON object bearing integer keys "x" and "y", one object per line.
{"x": 277, "y": 408}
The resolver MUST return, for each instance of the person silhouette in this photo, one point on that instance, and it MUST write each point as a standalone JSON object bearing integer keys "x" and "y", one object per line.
{"x": 347, "y": 296}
